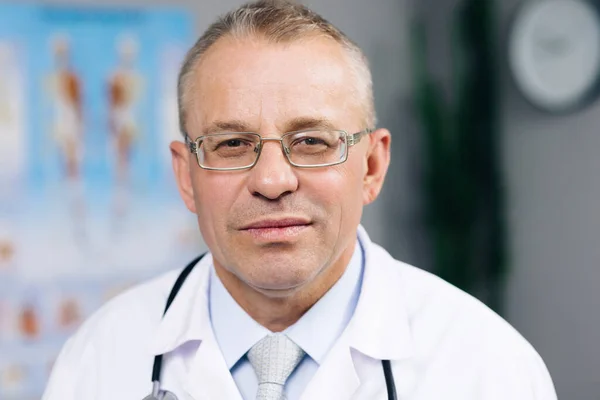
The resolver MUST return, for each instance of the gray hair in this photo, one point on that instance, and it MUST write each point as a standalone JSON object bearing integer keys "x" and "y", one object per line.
{"x": 278, "y": 21}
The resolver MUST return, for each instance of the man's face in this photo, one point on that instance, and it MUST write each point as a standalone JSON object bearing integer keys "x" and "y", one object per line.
{"x": 276, "y": 227}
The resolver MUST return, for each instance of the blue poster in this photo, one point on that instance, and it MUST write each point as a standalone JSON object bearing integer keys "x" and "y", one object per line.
{"x": 88, "y": 204}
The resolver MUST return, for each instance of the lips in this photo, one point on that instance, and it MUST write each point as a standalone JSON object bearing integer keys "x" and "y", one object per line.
{"x": 284, "y": 230}
{"x": 277, "y": 223}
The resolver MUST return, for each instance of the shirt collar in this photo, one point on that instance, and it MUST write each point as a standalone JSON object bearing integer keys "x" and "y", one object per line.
{"x": 331, "y": 314}
{"x": 228, "y": 318}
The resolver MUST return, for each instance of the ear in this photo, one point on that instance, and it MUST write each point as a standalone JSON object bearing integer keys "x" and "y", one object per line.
{"x": 377, "y": 163}
{"x": 181, "y": 158}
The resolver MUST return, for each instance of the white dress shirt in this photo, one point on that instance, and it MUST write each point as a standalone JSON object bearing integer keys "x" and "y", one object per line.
{"x": 315, "y": 332}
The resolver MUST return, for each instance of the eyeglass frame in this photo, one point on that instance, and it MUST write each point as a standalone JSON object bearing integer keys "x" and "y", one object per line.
{"x": 351, "y": 140}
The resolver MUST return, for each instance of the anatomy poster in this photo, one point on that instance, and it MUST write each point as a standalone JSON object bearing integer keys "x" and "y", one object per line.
{"x": 88, "y": 205}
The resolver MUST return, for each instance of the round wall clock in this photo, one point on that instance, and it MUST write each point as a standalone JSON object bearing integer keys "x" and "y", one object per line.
{"x": 554, "y": 53}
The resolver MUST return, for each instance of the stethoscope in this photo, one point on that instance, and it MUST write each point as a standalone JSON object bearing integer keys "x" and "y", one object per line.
{"x": 159, "y": 394}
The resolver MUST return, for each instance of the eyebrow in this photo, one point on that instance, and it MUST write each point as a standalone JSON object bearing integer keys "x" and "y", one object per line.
{"x": 295, "y": 124}
{"x": 302, "y": 123}
{"x": 227, "y": 126}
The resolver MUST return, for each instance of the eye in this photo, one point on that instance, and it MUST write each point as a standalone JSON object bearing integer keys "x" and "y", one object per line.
{"x": 309, "y": 141}
{"x": 231, "y": 143}
{"x": 312, "y": 141}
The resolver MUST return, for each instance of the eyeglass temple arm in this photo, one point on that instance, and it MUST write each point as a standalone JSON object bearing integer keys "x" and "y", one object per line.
{"x": 191, "y": 144}
{"x": 355, "y": 138}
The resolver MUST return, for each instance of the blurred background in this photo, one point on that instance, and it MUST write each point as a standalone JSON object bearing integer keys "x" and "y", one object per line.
{"x": 494, "y": 182}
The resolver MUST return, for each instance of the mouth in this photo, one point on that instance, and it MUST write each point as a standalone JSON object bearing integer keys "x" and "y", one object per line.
{"x": 277, "y": 230}
{"x": 277, "y": 223}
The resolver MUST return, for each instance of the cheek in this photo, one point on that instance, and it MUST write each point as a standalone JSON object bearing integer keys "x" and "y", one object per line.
{"x": 214, "y": 195}
{"x": 336, "y": 188}
{"x": 350, "y": 194}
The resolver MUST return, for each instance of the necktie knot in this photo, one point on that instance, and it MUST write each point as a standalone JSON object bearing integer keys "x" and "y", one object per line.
{"x": 274, "y": 358}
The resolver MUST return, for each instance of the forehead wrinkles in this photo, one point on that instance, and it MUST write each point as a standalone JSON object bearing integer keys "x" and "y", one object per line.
{"x": 271, "y": 110}
{"x": 227, "y": 104}
{"x": 275, "y": 79}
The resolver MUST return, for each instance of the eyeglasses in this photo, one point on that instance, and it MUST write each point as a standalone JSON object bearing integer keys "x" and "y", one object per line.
{"x": 304, "y": 149}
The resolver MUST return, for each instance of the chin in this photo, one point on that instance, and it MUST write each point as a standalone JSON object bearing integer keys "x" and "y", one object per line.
{"x": 282, "y": 277}
{"x": 277, "y": 269}
{"x": 279, "y": 289}
{"x": 275, "y": 280}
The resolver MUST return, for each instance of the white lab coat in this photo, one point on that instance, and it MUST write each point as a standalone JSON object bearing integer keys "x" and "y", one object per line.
{"x": 443, "y": 345}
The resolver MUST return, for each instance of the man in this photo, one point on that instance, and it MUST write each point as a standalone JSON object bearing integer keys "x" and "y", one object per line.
{"x": 293, "y": 301}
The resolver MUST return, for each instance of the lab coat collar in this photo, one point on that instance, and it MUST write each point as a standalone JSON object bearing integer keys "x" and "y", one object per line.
{"x": 380, "y": 327}
{"x": 188, "y": 318}
{"x": 379, "y": 330}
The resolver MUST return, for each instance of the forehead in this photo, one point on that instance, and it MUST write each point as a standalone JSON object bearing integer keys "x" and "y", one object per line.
{"x": 263, "y": 83}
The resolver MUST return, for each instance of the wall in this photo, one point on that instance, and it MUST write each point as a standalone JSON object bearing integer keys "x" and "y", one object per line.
{"x": 552, "y": 170}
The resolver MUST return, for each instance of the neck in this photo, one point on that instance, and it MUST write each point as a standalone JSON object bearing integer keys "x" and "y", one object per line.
{"x": 280, "y": 311}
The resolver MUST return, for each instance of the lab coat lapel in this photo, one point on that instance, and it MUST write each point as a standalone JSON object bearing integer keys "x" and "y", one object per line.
{"x": 379, "y": 330}
{"x": 380, "y": 326}
{"x": 188, "y": 320}
{"x": 209, "y": 378}
{"x": 336, "y": 378}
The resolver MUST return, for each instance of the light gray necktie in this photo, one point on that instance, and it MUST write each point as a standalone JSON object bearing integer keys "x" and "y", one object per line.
{"x": 273, "y": 359}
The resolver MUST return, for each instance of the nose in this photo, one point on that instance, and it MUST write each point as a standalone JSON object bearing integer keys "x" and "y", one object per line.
{"x": 273, "y": 176}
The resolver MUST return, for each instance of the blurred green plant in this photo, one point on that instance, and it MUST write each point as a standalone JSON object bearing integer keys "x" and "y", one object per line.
{"x": 464, "y": 201}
